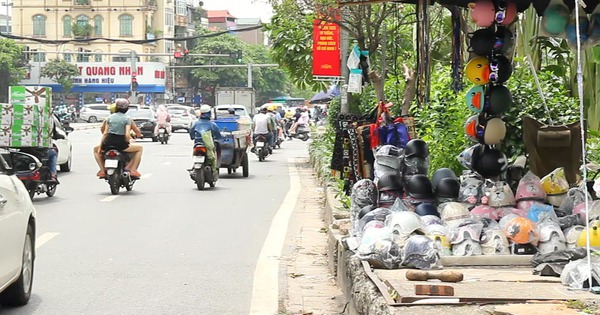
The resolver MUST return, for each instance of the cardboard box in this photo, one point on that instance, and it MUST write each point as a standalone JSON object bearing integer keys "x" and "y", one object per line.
{"x": 30, "y": 95}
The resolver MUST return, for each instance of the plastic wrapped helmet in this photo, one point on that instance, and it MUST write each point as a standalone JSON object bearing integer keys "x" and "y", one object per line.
{"x": 551, "y": 238}
{"x": 500, "y": 100}
{"x": 454, "y": 213}
{"x": 555, "y": 19}
{"x": 539, "y": 212}
{"x": 500, "y": 195}
{"x": 389, "y": 182}
{"x": 365, "y": 210}
{"x": 426, "y": 208}
{"x": 494, "y": 242}
{"x": 483, "y": 211}
{"x": 572, "y": 235}
{"x": 466, "y": 156}
{"x": 490, "y": 163}
{"x": 468, "y": 247}
{"x": 483, "y": 12}
{"x": 420, "y": 253}
{"x": 476, "y": 98}
{"x": 470, "y": 190}
{"x": 364, "y": 193}
{"x": 441, "y": 243}
{"x": 437, "y": 229}
{"x": 486, "y": 131}
{"x": 419, "y": 187}
{"x": 430, "y": 220}
{"x": 416, "y": 148}
{"x": 500, "y": 69}
{"x": 521, "y": 231}
{"x": 530, "y": 188}
{"x": 440, "y": 174}
{"x": 379, "y": 214}
{"x": 478, "y": 70}
{"x": 469, "y": 229}
{"x": 390, "y": 156}
{"x": 594, "y": 232}
{"x": 405, "y": 223}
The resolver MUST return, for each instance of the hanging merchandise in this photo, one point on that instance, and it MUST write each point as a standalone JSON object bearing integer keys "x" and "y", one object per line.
{"x": 494, "y": 242}
{"x": 483, "y": 12}
{"x": 500, "y": 69}
{"x": 488, "y": 131}
{"x": 584, "y": 28}
{"x": 555, "y": 19}
{"x": 476, "y": 98}
{"x": 551, "y": 238}
{"x": 572, "y": 235}
{"x": 420, "y": 253}
{"x": 594, "y": 232}
{"x": 465, "y": 158}
{"x": 490, "y": 163}
{"x": 506, "y": 12}
{"x": 425, "y": 209}
{"x": 478, "y": 70}
{"x": 521, "y": 230}
{"x": 499, "y": 100}
{"x": 491, "y": 40}
{"x": 555, "y": 186}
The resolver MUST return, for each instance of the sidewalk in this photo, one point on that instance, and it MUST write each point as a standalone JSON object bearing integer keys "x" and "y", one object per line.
{"x": 309, "y": 286}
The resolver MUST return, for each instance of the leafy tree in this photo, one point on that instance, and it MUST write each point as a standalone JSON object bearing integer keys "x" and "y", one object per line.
{"x": 60, "y": 71}
{"x": 12, "y": 63}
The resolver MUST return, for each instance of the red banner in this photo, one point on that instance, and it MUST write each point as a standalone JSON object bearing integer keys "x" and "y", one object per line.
{"x": 326, "y": 49}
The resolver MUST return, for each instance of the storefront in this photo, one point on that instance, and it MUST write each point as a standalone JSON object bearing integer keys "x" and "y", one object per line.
{"x": 103, "y": 82}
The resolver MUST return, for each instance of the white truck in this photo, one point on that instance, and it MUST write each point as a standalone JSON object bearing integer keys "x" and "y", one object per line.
{"x": 236, "y": 95}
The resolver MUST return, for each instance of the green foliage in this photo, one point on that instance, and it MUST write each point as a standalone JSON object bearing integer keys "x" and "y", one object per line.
{"x": 12, "y": 66}
{"x": 60, "y": 71}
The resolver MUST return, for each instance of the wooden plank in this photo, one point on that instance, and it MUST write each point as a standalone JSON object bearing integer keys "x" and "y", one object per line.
{"x": 378, "y": 283}
{"x": 487, "y": 260}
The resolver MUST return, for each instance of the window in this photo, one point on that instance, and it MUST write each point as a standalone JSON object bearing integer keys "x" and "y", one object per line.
{"x": 98, "y": 58}
{"x": 39, "y": 25}
{"x": 169, "y": 19}
{"x": 68, "y": 57}
{"x": 97, "y": 25}
{"x": 126, "y": 25}
{"x": 67, "y": 26}
{"x": 39, "y": 57}
{"x": 181, "y": 7}
{"x": 83, "y": 20}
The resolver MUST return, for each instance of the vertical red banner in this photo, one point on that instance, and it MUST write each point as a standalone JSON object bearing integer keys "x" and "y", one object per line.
{"x": 326, "y": 49}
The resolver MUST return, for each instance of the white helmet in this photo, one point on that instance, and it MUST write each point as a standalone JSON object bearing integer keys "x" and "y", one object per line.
{"x": 468, "y": 230}
{"x": 204, "y": 109}
{"x": 572, "y": 234}
{"x": 494, "y": 242}
{"x": 405, "y": 223}
{"x": 454, "y": 213}
{"x": 468, "y": 247}
{"x": 551, "y": 238}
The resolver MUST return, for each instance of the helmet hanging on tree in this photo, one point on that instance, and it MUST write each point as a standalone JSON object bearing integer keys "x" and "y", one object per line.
{"x": 555, "y": 19}
{"x": 485, "y": 130}
{"x": 500, "y": 69}
{"x": 490, "y": 163}
{"x": 486, "y": 41}
{"x": 483, "y": 12}
{"x": 476, "y": 98}
{"x": 478, "y": 70}
{"x": 499, "y": 100}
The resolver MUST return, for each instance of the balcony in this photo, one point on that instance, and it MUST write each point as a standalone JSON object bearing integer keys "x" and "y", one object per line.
{"x": 181, "y": 20}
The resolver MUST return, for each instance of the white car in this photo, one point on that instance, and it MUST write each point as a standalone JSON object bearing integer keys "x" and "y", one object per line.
{"x": 182, "y": 117}
{"x": 17, "y": 231}
{"x": 65, "y": 148}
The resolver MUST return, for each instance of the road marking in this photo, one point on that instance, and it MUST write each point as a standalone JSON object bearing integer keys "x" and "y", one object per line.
{"x": 44, "y": 238}
{"x": 265, "y": 289}
{"x": 109, "y": 198}
{"x": 146, "y": 176}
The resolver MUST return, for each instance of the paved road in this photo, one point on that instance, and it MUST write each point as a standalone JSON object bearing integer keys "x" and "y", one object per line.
{"x": 165, "y": 247}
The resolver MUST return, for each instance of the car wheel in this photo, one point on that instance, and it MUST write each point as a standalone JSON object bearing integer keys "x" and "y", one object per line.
{"x": 92, "y": 119}
{"x": 18, "y": 293}
{"x": 67, "y": 166}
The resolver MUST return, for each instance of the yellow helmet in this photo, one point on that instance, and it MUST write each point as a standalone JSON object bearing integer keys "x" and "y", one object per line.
{"x": 594, "y": 236}
{"x": 113, "y": 108}
{"x": 272, "y": 108}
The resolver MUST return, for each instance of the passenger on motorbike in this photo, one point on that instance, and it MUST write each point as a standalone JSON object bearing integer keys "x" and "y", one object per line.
{"x": 262, "y": 126}
{"x": 117, "y": 134}
{"x": 206, "y": 132}
{"x": 163, "y": 119}
{"x": 276, "y": 118}
{"x": 301, "y": 119}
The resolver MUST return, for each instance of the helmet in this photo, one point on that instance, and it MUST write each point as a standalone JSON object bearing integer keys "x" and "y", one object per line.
{"x": 551, "y": 238}
{"x": 468, "y": 247}
{"x": 483, "y": 12}
{"x": 272, "y": 108}
{"x": 121, "y": 103}
{"x": 389, "y": 181}
{"x": 482, "y": 41}
{"x": 555, "y": 19}
{"x": 466, "y": 156}
{"x": 441, "y": 243}
{"x": 539, "y": 212}
{"x": 500, "y": 195}
{"x": 364, "y": 193}
{"x": 555, "y": 183}
{"x": 483, "y": 211}
{"x": 507, "y": 14}
{"x": 470, "y": 190}
{"x": 486, "y": 131}
{"x": 374, "y": 224}
{"x": 500, "y": 100}
{"x": 112, "y": 108}
{"x": 469, "y": 229}
{"x": 453, "y": 213}
{"x": 379, "y": 214}
{"x": 476, "y": 98}
{"x": 364, "y": 210}
{"x": 448, "y": 188}
{"x": 571, "y": 30}
{"x": 440, "y": 174}
{"x": 500, "y": 69}
{"x": 426, "y": 208}
{"x": 431, "y": 220}
{"x": 521, "y": 231}
{"x": 594, "y": 235}
{"x": 405, "y": 223}
{"x": 389, "y": 155}
{"x": 416, "y": 148}
{"x": 494, "y": 242}
{"x": 419, "y": 187}
{"x": 572, "y": 235}
{"x": 503, "y": 40}
{"x": 490, "y": 163}
{"x": 530, "y": 188}
{"x": 420, "y": 252}
{"x": 204, "y": 109}
{"x": 478, "y": 70}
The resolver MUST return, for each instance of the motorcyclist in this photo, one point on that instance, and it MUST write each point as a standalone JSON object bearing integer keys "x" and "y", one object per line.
{"x": 117, "y": 134}
{"x": 163, "y": 119}
{"x": 276, "y": 118}
{"x": 206, "y": 132}
{"x": 51, "y": 153}
{"x": 262, "y": 126}
{"x": 301, "y": 119}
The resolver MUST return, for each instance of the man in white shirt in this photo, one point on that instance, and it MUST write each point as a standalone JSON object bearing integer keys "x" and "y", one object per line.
{"x": 262, "y": 126}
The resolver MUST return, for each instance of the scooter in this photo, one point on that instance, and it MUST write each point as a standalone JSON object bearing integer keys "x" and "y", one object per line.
{"x": 202, "y": 171}
{"x": 39, "y": 181}
{"x": 302, "y": 133}
{"x": 261, "y": 148}
{"x": 163, "y": 135}
{"x": 116, "y": 175}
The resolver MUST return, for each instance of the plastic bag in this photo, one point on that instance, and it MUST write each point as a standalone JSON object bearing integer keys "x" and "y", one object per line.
{"x": 530, "y": 188}
{"x": 389, "y": 156}
{"x": 382, "y": 170}
{"x": 540, "y": 212}
{"x": 378, "y": 214}
{"x": 383, "y": 254}
{"x": 576, "y": 273}
{"x": 421, "y": 253}
{"x": 364, "y": 193}
{"x": 574, "y": 197}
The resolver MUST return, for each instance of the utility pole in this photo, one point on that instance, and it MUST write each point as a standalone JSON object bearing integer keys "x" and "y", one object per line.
{"x": 133, "y": 97}
{"x": 249, "y": 75}
{"x": 345, "y": 108}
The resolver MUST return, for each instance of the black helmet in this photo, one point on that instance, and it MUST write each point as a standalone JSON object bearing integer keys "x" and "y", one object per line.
{"x": 389, "y": 181}
{"x": 482, "y": 41}
{"x": 500, "y": 69}
{"x": 448, "y": 188}
{"x": 427, "y": 208}
{"x": 365, "y": 210}
{"x": 499, "y": 100}
{"x": 416, "y": 148}
{"x": 490, "y": 162}
{"x": 503, "y": 40}
{"x": 419, "y": 187}
{"x": 441, "y": 174}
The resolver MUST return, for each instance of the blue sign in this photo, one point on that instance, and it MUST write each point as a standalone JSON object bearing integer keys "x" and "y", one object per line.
{"x": 198, "y": 99}
{"x": 181, "y": 99}
{"x": 99, "y": 99}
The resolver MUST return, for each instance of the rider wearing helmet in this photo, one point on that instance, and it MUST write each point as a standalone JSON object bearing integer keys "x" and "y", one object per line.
{"x": 301, "y": 118}
{"x": 262, "y": 126}
{"x": 117, "y": 134}
{"x": 162, "y": 119}
{"x": 202, "y": 128}
{"x": 276, "y": 121}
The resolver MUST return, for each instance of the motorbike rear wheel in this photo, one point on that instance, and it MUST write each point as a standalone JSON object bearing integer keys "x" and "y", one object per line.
{"x": 113, "y": 182}
{"x": 129, "y": 186}
{"x": 261, "y": 155}
{"x": 200, "y": 179}
{"x": 51, "y": 190}
{"x": 303, "y": 136}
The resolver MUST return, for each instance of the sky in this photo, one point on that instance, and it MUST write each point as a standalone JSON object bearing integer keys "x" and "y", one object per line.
{"x": 242, "y": 8}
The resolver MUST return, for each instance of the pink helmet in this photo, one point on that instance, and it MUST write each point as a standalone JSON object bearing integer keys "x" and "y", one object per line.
{"x": 484, "y": 211}
{"x": 530, "y": 188}
{"x": 483, "y": 12}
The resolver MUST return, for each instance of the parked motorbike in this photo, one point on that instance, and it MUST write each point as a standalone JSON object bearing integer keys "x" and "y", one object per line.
{"x": 261, "y": 148}
{"x": 302, "y": 133}
{"x": 163, "y": 135}
{"x": 202, "y": 170}
{"x": 38, "y": 179}
{"x": 116, "y": 175}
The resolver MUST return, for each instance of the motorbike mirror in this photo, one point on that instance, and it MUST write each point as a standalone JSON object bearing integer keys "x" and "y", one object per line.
{"x": 32, "y": 166}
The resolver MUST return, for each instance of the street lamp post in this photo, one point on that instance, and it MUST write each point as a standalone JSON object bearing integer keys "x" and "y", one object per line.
{"x": 6, "y": 4}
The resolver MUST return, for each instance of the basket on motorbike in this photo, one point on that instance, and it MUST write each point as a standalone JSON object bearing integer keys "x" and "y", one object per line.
{"x": 234, "y": 145}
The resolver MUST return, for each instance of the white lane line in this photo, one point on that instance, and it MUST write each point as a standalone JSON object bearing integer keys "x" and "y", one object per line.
{"x": 146, "y": 176}
{"x": 265, "y": 289}
{"x": 44, "y": 238}
{"x": 109, "y": 198}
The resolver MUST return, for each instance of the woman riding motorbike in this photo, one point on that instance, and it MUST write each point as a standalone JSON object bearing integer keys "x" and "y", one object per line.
{"x": 163, "y": 119}
{"x": 117, "y": 134}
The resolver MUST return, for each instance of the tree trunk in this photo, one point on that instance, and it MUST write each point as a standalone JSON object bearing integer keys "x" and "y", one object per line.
{"x": 410, "y": 90}
{"x": 378, "y": 85}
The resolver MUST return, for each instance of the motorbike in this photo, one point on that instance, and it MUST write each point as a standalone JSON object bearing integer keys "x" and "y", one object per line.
{"x": 65, "y": 118}
{"x": 302, "y": 133}
{"x": 116, "y": 175}
{"x": 38, "y": 180}
{"x": 202, "y": 170}
{"x": 262, "y": 149}
{"x": 163, "y": 135}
